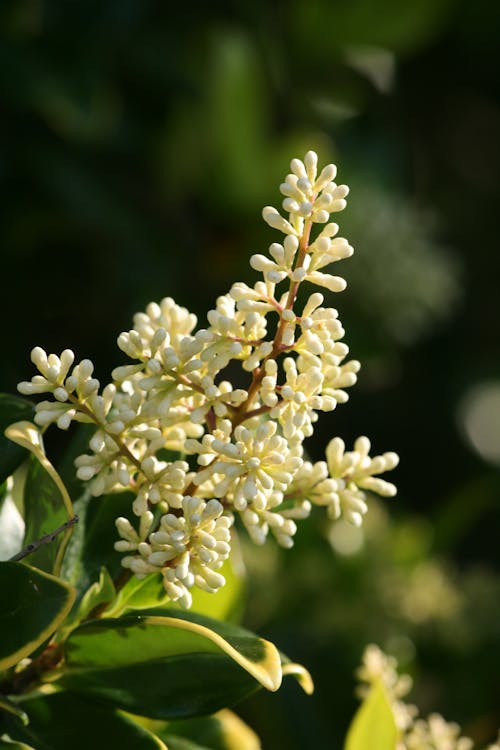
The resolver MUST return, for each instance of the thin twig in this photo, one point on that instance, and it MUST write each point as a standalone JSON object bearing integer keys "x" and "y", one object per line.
{"x": 44, "y": 539}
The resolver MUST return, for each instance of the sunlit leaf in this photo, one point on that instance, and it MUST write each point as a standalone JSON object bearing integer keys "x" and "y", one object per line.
{"x": 32, "y": 606}
{"x": 12, "y": 409}
{"x": 222, "y": 731}
{"x": 137, "y": 594}
{"x": 373, "y": 725}
{"x": 8, "y": 744}
{"x": 168, "y": 666}
{"x": 181, "y": 743}
{"x": 300, "y": 673}
{"x": 227, "y": 603}
{"x": 97, "y": 595}
{"x": 47, "y": 504}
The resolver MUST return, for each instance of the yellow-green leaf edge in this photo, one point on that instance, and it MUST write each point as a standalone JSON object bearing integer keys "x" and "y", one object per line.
{"x": 28, "y": 436}
{"x": 28, "y": 648}
{"x": 301, "y": 674}
{"x": 267, "y": 672}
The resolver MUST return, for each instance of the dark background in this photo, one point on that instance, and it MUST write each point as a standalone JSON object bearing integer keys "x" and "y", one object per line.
{"x": 138, "y": 144}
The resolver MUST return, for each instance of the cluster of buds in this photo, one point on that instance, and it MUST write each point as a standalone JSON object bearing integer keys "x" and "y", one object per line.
{"x": 197, "y": 452}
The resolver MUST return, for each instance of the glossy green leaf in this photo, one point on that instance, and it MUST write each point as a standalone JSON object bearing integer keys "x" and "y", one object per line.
{"x": 47, "y": 504}
{"x": 181, "y": 743}
{"x": 101, "y": 592}
{"x": 12, "y": 409}
{"x": 62, "y": 720}
{"x": 228, "y": 602}
{"x": 91, "y": 546}
{"x": 98, "y": 594}
{"x": 373, "y": 725}
{"x": 168, "y": 666}
{"x": 222, "y": 731}
{"x": 139, "y": 594}
{"x": 32, "y": 606}
{"x": 300, "y": 673}
{"x": 8, "y": 744}
{"x": 100, "y": 533}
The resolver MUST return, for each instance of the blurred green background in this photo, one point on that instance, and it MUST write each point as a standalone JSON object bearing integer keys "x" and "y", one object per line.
{"x": 138, "y": 144}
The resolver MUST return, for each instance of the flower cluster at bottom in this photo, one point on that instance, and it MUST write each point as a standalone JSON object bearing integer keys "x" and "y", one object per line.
{"x": 433, "y": 733}
{"x": 199, "y": 453}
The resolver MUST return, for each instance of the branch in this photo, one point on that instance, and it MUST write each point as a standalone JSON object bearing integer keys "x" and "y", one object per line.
{"x": 44, "y": 540}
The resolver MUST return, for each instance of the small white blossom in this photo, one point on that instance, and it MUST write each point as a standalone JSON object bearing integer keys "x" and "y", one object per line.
{"x": 311, "y": 484}
{"x": 234, "y": 333}
{"x": 130, "y": 538}
{"x": 355, "y": 471}
{"x": 336, "y": 376}
{"x": 79, "y": 387}
{"x": 259, "y": 522}
{"x": 300, "y": 396}
{"x": 319, "y": 330}
{"x": 259, "y": 298}
{"x": 166, "y": 315}
{"x": 254, "y": 466}
{"x": 187, "y": 549}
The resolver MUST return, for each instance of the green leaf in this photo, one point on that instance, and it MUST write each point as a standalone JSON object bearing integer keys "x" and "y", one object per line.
{"x": 300, "y": 673}
{"x": 63, "y": 720}
{"x": 169, "y": 665}
{"x": 8, "y": 744}
{"x": 222, "y": 731}
{"x": 32, "y": 606}
{"x": 91, "y": 546}
{"x": 373, "y": 725}
{"x": 99, "y": 593}
{"x": 101, "y": 534}
{"x": 47, "y": 504}
{"x": 181, "y": 743}
{"x": 228, "y": 602}
{"x": 145, "y": 593}
{"x": 12, "y": 409}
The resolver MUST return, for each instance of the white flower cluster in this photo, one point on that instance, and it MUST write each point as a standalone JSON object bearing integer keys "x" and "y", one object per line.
{"x": 433, "y": 733}
{"x": 197, "y": 452}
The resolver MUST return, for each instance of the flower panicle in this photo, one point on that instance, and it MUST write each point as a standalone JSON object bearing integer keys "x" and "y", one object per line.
{"x": 195, "y": 450}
